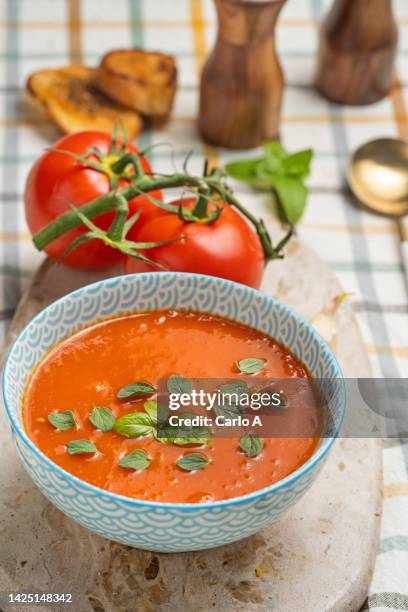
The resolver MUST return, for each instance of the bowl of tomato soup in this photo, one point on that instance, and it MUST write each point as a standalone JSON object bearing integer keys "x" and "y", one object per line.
{"x": 81, "y": 386}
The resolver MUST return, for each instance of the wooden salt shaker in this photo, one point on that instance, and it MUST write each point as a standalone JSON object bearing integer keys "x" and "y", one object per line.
{"x": 242, "y": 80}
{"x": 358, "y": 43}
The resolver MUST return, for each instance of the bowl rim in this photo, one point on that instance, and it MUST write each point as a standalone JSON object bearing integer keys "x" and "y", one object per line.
{"x": 319, "y": 453}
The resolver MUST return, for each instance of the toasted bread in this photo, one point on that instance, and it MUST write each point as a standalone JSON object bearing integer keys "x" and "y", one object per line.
{"x": 144, "y": 81}
{"x": 69, "y": 96}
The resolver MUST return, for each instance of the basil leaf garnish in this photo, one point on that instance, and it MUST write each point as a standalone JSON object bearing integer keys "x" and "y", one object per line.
{"x": 62, "y": 420}
{"x": 193, "y": 462}
{"x": 236, "y": 387}
{"x": 182, "y": 433}
{"x": 231, "y": 393}
{"x": 135, "y": 390}
{"x": 280, "y": 173}
{"x": 135, "y": 425}
{"x": 251, "y": 365}
{"x": 228, "y": 411}
{"x": 178, "y": 384}
{"x": 102, "y": 418}
{"x": 78, "y": 447}
{"x": 151, "y": 410}
{"x": 252, "y": 445}
{"x": 138, "y": 460}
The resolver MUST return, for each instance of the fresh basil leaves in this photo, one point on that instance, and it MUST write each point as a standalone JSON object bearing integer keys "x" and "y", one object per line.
{"x": 135, "y": 425}
{"x": 178, "y": 384}
{"x": 137, "y": 460}
{"x": 280, "y": 172}
{"x": 251, "y": 365}
{"x": 62, "y": 420}
{"x": 252, "y": 445}
{"x": 135, "y": 390}
{"x": 79, "y": 447}
{"x": 102, "y": 418}
{"x": 192, "y": 462}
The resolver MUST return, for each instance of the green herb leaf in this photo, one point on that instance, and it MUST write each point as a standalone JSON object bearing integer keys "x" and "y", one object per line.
{"x": 247, "y": 171}
{"x": 138, "y": 460}
{"x": 280, "y": 173}
{"x": 251, "y": 365}
{"x": 192, "y": 462}
{"x": 273, "y": 149}
{"x": 79, "y": 447}
{"x": 135, "y": 425}
{"x": 183, "y": 433}
{"x": 135, "y": 390}
{"x": 228, "y": 411}
{"x": 235, "y": 387}
{"x": 178, "y": 384}
{"x": 292, "y": 195}
{"x": 62, "y": 420}
{"x": 151, "y": 409}
{"x": 102, "y": 418}
{"x": 298, "y": 164}
{"x": 252, "y": 445}
{"x": 231, "y": 393}
{"x": 273, "y": 162}
{"x": 158, "y": 413}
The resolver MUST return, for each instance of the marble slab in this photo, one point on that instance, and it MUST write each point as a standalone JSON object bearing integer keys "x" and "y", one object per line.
{"x": 318, "y": 558}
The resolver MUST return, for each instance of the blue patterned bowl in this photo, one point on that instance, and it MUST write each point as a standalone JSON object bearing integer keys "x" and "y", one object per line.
{"x": 158, "y": 526}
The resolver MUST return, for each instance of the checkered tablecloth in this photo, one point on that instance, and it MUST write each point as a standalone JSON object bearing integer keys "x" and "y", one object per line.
{"x": 361, "y": 248}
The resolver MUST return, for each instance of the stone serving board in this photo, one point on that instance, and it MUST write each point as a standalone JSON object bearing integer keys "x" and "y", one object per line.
{"x": 319, "y": 557}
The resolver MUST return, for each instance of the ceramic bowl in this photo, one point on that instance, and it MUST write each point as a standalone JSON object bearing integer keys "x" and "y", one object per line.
{"x": 167, "y": 527}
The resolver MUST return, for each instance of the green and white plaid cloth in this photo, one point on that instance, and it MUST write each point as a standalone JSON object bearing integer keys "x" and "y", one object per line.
{"x": 360, "y": 247}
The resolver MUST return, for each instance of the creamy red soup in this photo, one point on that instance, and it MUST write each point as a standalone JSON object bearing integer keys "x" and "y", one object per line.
{"x": 77, "y": 397}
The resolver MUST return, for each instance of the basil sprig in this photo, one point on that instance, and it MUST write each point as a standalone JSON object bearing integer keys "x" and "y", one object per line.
{"x": 135, "y": 425}
{"x": 279, "y": 172}
{"x": 135, "y": 390}
{"x": 138, "y": 460}
{"x": 237, "y": 387}
{"x": 102, "y": 418}
{"x": 228, "y": 411}
{"x": 151, "y": 409}
{"x": 192, "y": 462}
{"x": 251, "y": 365}
{"x": 178, "y": 384}
{"x": 79, "y": 447}
{"x": 231, "y": 393}
{"x": 252, "y": 445}
{"x": 183, "y": 433}
{"x": 62, "y": 420}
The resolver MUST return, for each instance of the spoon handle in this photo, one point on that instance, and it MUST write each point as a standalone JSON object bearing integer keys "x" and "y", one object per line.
{"x": 404, "y": 256}
{"x": 403, "y": 232}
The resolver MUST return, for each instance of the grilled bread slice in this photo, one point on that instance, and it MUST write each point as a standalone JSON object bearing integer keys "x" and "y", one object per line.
{"x": 72, "y": 101}
{"x": 144, "y": 81}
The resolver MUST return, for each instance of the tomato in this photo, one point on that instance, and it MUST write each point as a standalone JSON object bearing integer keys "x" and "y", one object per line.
{"x": 57, "y": 178}
{"x": 228, "y": 247}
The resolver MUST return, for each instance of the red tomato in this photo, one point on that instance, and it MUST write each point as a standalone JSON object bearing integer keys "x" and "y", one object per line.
{"x": 57, "y": 178}
{"x": 228, "y": 248}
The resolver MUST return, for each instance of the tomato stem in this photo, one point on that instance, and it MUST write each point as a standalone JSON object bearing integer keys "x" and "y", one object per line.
{"x": 200, "y": 210}
{"x": 120, "y": 164}
{"x": 142, "y": 184}
{"x": 108, "y": 202}
{"x": 270, "y": 251}
{"x": 116, "y": 230}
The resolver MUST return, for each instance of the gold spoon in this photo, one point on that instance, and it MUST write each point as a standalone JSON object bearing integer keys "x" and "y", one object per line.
{"x": 378, "y": 177}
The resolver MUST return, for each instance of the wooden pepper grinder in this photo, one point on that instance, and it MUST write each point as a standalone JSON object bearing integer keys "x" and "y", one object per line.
{"x": 358, "y": 43}
{"x": 242, "y": 81}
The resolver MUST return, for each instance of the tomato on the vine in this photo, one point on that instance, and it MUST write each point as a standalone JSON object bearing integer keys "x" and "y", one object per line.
{"x": 228, "y": 247}
{"x": 59, "y": 179}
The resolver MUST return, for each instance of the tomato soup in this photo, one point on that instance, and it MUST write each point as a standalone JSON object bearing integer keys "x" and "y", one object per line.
{"x": 79, "y": 404}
